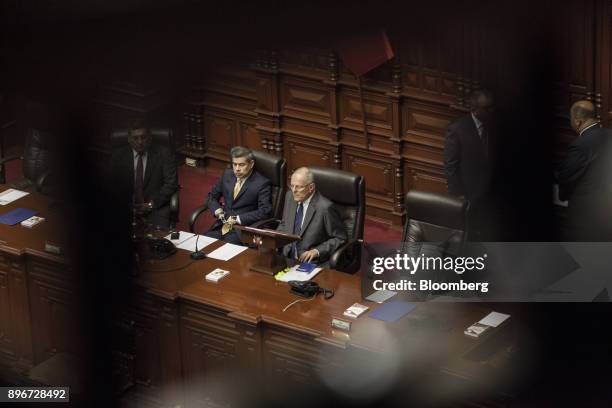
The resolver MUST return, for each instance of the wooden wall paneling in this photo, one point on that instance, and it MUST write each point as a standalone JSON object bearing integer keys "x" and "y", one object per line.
{"x": 268, "y": 103}
{"x": 382, "y": 178}
{"x": 379, "y": 112}
{"x": 290, "y": 358}
{"x": 305, "y": 128}
{"x": 170, "y": 362}
{"x": 248, "y": 135}
{"x": 53, "y": 314}
{"x": 304, "y": 98}
{"x": 603, "y": 62}
{"x": 424, "y": 137}
{"x": 421, "y": 176}
{"x": 220, "y": 130}
{"x": 144, "y": 313}
{"x": 300, "y": 151}
{"x": 332, "y": 89}
{"x": 218, "y": 353}
{"x": 426, "y": 123}
{"x": 15, "y": 324}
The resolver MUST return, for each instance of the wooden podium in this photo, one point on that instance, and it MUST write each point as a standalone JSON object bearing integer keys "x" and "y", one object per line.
{"x": 267, "y": 242}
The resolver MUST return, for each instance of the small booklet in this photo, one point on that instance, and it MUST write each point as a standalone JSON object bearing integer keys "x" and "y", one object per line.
{"x": 306, "y": 267}
{"x": 216, "y": 275}
{"x": 32, "y": 221}
{"x": 476, "y": 330}
{"x": 355, "y": 310}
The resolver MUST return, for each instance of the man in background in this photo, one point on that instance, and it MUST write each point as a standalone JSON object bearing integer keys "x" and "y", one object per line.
{"x": 468, "y": 159}
{"x": 585, "y": 177}
{"x": 145, "y": 174}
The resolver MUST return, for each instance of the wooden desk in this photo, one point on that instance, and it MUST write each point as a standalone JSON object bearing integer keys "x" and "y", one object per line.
{"x": 36, "y": 290}
{"x": 191, "y": 332}
{"x": 194, "y": 341}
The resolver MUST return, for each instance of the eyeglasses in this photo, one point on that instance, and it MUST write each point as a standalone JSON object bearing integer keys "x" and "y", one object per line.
{"x": 298, "y": 188}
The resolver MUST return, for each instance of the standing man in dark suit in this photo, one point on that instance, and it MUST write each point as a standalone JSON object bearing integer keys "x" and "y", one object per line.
{"x": 149, "y": 174}
{"x": 468, "y": 156}
{"x": 585, "y": 177}
{"x": 313, "y": 217}
{"x": 246, "y": 195}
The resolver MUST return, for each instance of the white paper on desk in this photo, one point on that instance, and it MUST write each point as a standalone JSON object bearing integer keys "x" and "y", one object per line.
{"x": 10, "y": 195}
{"x": 494, "y": 319}
{"x": 183, "y": 236}
{"x": 226, "y": 252}
{"x": 190, "y": 243}
{"x": 293, "y": 274}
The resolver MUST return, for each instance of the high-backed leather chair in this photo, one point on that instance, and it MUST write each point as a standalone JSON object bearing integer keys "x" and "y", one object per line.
{"x": 35, "y": 162}
{"x": 275, "y": 169}
{"x": 347, "y": 191}
{"x": 164, "y": 137}
{"x": 432, "y": 217}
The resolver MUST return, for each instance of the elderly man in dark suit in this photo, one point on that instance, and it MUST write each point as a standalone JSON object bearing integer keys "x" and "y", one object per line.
{"x": 145, "y": 173}
{"x": 313, "y": 217}
{"x": 585, "y": 177}
{"x": 246, "y": 197}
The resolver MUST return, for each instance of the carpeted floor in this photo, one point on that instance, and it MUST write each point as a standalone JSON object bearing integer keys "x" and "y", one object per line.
{"x": 196, "y": 183}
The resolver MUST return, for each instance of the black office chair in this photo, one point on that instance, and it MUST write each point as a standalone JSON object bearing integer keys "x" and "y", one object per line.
{"x": 35, "y": 162}
{"x": 347, "y": 191}
{"x": 162, "y": 136}
{"x": 270, "y": 166}
{"x": 433, "y": 217}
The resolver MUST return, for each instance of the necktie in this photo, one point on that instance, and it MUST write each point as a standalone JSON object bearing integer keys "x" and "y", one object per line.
{"x": 237, "y": 187}
{"x": 297, "y": 227}
{"x": 138, "y": 182}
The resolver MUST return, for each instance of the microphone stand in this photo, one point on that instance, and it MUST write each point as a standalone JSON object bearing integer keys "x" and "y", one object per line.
{"x": 197, "y": 255}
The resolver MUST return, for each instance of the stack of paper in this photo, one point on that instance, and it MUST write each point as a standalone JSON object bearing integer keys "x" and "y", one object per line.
{"x": 294, "y": 275}
{"x": 226, "y": 252}
{"x": 189, "y": 244}
{"x": 10, "y": 195}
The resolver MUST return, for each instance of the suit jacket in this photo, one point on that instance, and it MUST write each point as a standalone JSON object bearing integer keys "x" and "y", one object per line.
{"x": 585, "y": 180}
{"x": 467, "y": 160}
{"x": 253, "y": 202}
{"x": 322, "y": 227}
{"x": 160, "y": 179}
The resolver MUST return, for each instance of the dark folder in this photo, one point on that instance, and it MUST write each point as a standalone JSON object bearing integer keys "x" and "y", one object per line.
{"x": 392, "y": 311}
{"x": 16, "y": 216}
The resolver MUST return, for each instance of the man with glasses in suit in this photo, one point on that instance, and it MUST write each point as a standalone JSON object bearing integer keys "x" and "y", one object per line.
{"x": 313, "y": 217}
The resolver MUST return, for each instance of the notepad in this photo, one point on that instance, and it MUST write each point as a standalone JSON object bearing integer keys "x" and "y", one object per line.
{"x": 381, "y": 295}
{"x": 190, "y": 243}
{"x": 10, "y": 195}
{"x": 16, "y": 216}
{"x": 494, "y": 319}
{"x": 392, "y": 311}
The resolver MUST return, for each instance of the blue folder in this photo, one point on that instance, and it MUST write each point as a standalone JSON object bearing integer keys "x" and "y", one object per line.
{"x": 392, "y": 311}
{"x": 16, "y": 216}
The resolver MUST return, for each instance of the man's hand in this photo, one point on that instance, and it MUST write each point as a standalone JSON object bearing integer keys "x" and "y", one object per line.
{"x": 220, "y": 214}
{"x": 309, "y": 256}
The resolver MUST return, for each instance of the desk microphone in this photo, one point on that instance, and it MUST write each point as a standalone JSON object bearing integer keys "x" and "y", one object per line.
{"x": 197, "y": 255}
